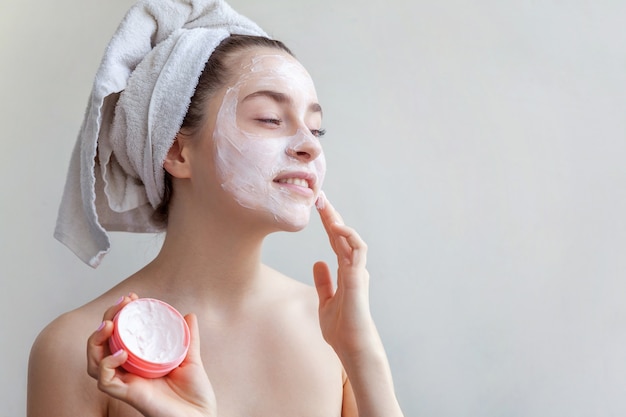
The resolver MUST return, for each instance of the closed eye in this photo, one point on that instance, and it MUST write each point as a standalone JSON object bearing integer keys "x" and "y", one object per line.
{"x": 318, "y": 133}
{"x": 276, "y": 122}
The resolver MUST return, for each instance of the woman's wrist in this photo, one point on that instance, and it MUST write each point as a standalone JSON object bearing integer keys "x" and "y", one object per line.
{"x": 372, "y": 383}
{"x": 366, "y": 347}
{"x": 366, "y": 360}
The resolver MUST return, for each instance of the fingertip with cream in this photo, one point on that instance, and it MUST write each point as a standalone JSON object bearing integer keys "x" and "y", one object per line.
{"x": 320, "y": 203}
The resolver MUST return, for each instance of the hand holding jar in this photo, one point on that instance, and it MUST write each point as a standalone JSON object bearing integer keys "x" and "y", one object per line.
{"x": 185, "y": 390}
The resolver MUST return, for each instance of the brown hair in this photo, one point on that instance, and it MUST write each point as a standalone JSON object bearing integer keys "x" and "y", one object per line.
{"x": 216, "y": 73}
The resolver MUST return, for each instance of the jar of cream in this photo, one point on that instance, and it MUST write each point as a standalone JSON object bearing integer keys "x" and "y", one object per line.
{"x": 154, "y": 334}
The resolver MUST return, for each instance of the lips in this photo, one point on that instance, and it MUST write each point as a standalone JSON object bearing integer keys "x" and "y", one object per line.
{"x": 300, "y": 179}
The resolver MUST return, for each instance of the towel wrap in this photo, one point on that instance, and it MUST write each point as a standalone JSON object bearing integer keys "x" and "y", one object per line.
{"x": 138, "y": 101}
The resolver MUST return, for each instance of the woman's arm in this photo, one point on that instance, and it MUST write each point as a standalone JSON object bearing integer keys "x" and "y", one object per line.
{"x": 346, "y": 321}
{"x": 57, "y": 382}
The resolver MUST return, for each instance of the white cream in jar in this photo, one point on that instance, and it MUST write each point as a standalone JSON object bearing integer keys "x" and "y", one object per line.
{"x": 154, "y": 334}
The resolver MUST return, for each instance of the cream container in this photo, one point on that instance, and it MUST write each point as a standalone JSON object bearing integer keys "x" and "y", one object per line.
{"x": 154, "y": 334}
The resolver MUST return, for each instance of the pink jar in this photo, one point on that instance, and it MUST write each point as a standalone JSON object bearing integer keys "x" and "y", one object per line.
{"x": 154, "y": 334}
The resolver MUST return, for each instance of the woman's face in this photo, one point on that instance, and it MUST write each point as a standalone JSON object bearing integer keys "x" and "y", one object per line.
{"x": 267, "y": 150}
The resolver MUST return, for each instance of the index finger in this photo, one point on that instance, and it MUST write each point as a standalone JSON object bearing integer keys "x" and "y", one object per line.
{"x": 327, "y": 211}
{"x": 330, "y": 217}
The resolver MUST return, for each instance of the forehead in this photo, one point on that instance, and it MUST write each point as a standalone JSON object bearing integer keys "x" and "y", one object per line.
{"x": 271, "y": 67}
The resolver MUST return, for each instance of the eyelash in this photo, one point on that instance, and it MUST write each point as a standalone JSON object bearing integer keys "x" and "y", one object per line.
{"x": 276, "y": 122}
{"x": 318, "y": 133}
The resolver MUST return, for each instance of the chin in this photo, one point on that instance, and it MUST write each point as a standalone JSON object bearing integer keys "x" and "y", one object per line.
{"x": 283, "y": 216}
{"x": 293, "y": 222}
{"x": 294, "y": 228}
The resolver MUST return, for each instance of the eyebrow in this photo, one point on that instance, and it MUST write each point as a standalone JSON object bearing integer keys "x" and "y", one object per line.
{"x": 282, "y": 98}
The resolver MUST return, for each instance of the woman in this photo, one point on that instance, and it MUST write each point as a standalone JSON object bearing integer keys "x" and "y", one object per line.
{"x": 246, "y": 162}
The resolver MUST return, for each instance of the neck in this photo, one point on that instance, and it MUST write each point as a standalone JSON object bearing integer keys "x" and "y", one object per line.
{"x": 208, "y": 263}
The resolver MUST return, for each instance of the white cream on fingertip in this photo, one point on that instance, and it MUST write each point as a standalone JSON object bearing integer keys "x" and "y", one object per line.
{"x": 320, "y": 203}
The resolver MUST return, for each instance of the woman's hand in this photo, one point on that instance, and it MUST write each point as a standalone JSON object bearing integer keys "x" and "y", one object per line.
{"x": 347, "y": 323}
{"x": 186, "y": 391}
{"x": 345, "y": 316}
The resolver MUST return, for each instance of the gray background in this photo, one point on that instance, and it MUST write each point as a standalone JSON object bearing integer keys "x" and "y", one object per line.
{"x": 478, "y": 147}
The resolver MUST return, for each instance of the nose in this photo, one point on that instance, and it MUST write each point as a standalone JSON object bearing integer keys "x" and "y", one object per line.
{"x": 304, "y": 146}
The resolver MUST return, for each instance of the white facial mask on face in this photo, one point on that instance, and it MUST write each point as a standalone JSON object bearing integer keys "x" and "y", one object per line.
{"x": 249, "y": 164}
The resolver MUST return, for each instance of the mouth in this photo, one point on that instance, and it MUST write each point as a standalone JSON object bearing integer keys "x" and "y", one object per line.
{"x": 299, "y": 181}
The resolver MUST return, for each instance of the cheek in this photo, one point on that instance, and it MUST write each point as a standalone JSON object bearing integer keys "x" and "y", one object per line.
{"x": 320, "y": 168}
{"x": 247, "y": 166}
{"x": 231, "y": 153}
{"x": 245, "y": 159}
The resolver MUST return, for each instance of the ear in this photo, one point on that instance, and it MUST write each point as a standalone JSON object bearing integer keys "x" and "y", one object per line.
{"x": 176, "y": 161}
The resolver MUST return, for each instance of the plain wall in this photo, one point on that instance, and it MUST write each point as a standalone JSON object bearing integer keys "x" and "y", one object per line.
{"x": 478, "y": 147}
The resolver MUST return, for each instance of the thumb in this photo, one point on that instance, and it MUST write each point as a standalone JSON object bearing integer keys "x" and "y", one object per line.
{"x": 193, "y": 355}
{"x": 323, "y": 282}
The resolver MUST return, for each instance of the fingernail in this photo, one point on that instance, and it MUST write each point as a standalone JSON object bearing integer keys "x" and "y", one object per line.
{"x": 118, "y": 353}
{"x": 101, "y": 326}
{"x": 120, "y": 300}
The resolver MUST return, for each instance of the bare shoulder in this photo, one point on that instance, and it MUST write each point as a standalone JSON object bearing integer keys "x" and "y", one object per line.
{"x": 294, "y": 335}
{"x": 294, "y": 293}
{"x": 58, "y": 383}
{"x": 294, "y": 306}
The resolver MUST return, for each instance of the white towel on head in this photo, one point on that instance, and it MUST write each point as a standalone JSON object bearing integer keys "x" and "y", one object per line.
{"x": 139, "y": 98}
